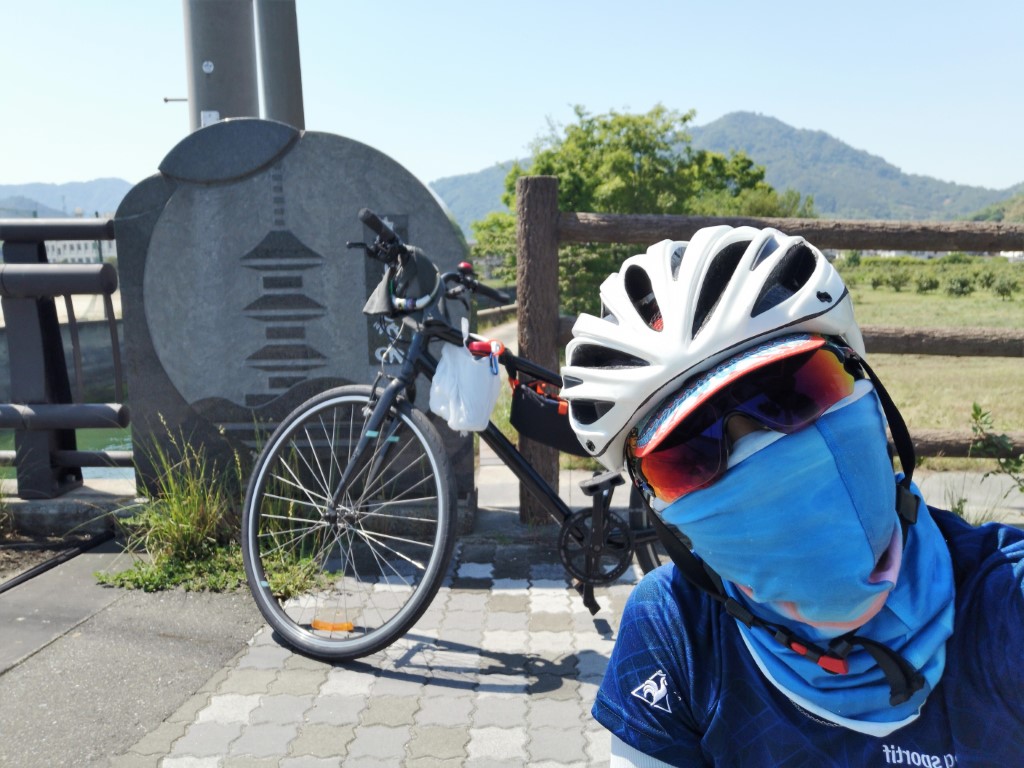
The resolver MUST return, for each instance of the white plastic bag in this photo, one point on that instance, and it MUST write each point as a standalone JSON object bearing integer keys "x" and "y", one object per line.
{"x": 464, "y": 389}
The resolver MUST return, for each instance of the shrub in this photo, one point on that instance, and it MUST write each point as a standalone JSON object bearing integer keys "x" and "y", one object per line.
{"x": 959, "y": 285}
{"x": 897, "y": 279}
{"x": 926, "y": 283}
{"x": 1005, "y": 286}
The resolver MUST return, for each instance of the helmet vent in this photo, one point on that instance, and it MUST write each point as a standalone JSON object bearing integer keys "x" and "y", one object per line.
{"x": 594, "y": 356}
{"x": 715, "y": 281}
{"x": 638, "y": 287}
{"x": 677, "y": 259}
{"x": 588, "y": 411}
{"x": 791, "y": 274}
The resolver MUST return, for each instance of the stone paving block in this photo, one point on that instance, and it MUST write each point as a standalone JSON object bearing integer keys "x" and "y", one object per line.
{"x": 452, "y": 711}
{"x": 549, "y": 601}
{"x": 495, "y": 744}
{"x": 248, "y": 761}
{"x": 468, "y": 570}
{"x": 477, "y": 552}
{"x": 560, "y": 622}
{"x": 550, "y": 644}
{"x": 502, "y": 640}
{"x": 135, "y": 760}
{"x": 518, "y": 621}
{"x": 506, "y": 602}
{"x": 159, "y": 740}
{"x": 554, "y": 686}
{"x": 337, "y": 710}
{"x": 428, "y": 762}
{"x": 265, "y": 740}
{"x": 229, "y": 708}
{"x": 206, "y": 739}
{"x": 399, "y": 685}
{"x": 438, "y": 742}
{"x": 468, "y": 601}
{"x": 460, "y": 620}
{"x": 554, "y": 713}
{"x": 347, "y": 682}
{"x": 186, "y": 713}
{"x": 511, "y": 586}
{"x": 281, "y": 708}
{"x": 190, "y": 762}
{"x": 322, "y": 740}
{"x": 265, "y": 657}
{"x": 247, "y": 681}
{"x": 559, "y": 745}
{"x": 380, "y": 742}
{"x": 390, "y": 711}
{"x": 299, "y": 682}
{"x": 598, "y": 746}
{"x": 499, "y": 711}
{"x": 310, "y": 762}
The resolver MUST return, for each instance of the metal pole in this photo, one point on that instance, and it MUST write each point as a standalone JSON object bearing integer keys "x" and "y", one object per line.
{"x": 279, "y": 62}
{"x": 220, "y": 58}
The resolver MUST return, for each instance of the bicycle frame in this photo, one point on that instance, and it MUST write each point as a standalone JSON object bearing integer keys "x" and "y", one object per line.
{"x": 418, "y": 360}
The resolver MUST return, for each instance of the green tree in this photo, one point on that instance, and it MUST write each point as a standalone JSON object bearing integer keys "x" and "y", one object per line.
{"x": 631, "y": 163}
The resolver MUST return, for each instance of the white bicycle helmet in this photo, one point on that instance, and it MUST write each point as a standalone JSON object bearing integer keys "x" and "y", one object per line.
{"x": 679, "y": 309}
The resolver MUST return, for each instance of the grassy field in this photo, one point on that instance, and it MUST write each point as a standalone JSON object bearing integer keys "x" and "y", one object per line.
{"x": 936, "y": 392}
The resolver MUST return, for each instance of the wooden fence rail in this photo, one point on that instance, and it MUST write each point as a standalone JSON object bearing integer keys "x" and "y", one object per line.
{"x": 541, "y": 228}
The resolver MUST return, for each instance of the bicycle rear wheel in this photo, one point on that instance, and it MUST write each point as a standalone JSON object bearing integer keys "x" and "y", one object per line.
{"x": 341, "y": 581}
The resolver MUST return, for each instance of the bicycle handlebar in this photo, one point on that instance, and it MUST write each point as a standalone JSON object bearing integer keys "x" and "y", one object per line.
{"x": 382, "y": 230}
{"x": 477, "y": 287}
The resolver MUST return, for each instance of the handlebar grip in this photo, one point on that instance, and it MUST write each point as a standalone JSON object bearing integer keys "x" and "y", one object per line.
{"x": 370, "y": 219}
{"x": 492, "y": 293}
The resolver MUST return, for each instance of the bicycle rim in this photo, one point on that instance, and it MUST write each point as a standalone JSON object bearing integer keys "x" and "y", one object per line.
{"x": 343, "y": 581}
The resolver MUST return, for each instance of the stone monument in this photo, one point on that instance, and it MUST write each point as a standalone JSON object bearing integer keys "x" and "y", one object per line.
{"x": 239, "y": 297}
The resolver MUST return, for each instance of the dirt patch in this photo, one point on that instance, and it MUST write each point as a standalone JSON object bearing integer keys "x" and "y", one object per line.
{"x": 20, "y": 552}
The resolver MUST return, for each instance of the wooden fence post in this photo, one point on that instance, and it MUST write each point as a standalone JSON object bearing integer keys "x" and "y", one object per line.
{"x": 537, "y": 297}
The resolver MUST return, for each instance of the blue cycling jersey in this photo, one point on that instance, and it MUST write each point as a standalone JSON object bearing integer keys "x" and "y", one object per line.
{"x": 681, "y": 685}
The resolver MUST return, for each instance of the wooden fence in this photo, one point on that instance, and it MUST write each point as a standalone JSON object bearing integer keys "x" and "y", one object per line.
{"x": 541, "y": 228}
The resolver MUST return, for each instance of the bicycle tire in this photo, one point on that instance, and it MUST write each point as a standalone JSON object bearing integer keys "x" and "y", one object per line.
{"x": 343, "y": 583}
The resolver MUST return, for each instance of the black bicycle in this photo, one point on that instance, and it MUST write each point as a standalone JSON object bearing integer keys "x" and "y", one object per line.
{"x": 350, "y": 515}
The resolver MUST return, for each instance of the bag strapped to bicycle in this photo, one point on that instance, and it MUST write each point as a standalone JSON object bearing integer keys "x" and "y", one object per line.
{"x": 539, "y": 414}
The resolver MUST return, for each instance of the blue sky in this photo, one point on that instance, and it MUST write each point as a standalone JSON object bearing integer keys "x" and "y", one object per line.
{"x": 454, "y": 86}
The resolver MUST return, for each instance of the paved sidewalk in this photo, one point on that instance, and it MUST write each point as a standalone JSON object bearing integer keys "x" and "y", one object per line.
{"x": 501, "y": 671}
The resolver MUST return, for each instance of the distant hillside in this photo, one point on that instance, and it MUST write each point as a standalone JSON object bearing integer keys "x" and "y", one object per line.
{"x": 846, "y": 183}
{"x": 19, "y": 206}
{"x": 1007, "y": 210}
{"x": 100, "y": 196}
{"x": 472, "y": 196}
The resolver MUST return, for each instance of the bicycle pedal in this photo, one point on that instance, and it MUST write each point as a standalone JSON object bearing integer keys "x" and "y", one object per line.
{"x": 602, "y": 482}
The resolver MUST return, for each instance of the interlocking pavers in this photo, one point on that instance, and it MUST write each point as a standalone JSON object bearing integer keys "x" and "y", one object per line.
{"x": 501, "y": 670}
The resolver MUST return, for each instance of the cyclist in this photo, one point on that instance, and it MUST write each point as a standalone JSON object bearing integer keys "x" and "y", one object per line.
{"x": 819, "y": 612}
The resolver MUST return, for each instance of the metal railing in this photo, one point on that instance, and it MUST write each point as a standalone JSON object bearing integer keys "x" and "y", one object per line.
{"x": 45, "y": 411}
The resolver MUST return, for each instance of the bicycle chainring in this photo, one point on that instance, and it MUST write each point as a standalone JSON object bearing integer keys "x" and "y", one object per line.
{"x": 595, "y": 562}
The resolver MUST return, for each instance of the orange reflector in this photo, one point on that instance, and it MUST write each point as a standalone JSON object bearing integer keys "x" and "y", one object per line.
{"x": 332, "y": 626}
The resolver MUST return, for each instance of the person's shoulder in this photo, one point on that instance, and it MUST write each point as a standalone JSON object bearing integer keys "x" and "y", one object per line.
{"x": 978, "y": 550}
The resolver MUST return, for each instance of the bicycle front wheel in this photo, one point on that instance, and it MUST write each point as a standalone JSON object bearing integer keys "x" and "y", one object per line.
{"x": 342, "y": 572}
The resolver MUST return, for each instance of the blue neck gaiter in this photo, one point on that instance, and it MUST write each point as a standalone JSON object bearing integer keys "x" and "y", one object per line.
{"x": 805, "y": 532}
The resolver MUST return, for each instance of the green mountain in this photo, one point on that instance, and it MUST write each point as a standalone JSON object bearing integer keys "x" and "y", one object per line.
{"x": 471, "y": 196}
{"x": 846, "y": 183}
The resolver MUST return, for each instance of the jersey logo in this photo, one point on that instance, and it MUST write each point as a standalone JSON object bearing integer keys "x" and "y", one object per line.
{"x": 654, "y": 691}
